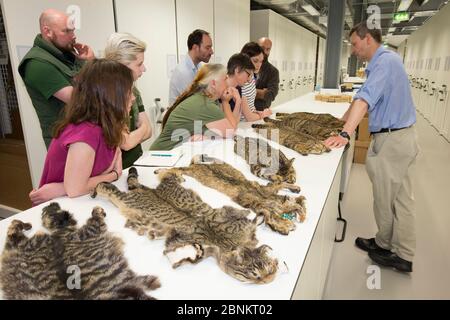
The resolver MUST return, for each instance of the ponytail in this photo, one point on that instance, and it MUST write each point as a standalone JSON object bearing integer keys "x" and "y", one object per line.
{"x": 204, "y": 76}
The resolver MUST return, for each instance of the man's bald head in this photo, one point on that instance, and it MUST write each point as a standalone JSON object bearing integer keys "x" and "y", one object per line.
{"x": 58, "y": 28}
{"x": 266, "y": 44}
{"x": 52, "y": 17}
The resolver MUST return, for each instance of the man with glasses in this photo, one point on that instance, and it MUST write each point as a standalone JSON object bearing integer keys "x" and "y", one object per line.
{"x": 49, "y": 67}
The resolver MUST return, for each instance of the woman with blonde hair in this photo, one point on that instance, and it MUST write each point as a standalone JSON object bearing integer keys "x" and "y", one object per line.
{"x": 85, "y": 148}
{"x": 129, "y": 50}
{"x": 197, "y": 112}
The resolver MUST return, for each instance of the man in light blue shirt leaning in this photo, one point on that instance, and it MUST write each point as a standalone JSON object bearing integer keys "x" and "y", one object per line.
{"x": 386, "y": 95}
{"x": 200, "y": 50}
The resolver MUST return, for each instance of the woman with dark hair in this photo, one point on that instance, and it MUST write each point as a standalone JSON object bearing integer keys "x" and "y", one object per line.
{"x": 85, "y": 149}
{"x": 256, "y": 54}
{"x": 240, "y": 70}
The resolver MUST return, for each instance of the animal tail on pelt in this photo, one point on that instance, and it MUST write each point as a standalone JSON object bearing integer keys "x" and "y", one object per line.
{"x": 205, "y": 159}
{"x": 260, "y": 126}
{"x": 132, "y": 179}
{"x": 302, "y": 214}
{"x": 269, "y": 120}
{"x": 132, "y": 293}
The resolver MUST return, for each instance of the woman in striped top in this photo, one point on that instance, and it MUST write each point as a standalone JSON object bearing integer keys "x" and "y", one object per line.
{"x": 256, "y": 54}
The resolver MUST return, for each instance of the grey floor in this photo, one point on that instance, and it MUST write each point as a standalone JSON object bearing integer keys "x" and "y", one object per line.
{"x": 351, "y": 271}
{"x": 5, "y": 213}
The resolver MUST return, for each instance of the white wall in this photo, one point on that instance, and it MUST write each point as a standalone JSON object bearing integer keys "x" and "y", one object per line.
{"x": 321, "y": 62}
{"x": 427, "y": 51}
{"x": 21, "y": 23}
{"x": 259, "y": 25}
{"x": 191, "y": 15}
{"x": 228, "y": 22}
{"x": 293, "y": 52}
{"x": 145, "y": 20}
{"x": 231, "y": 28}
{"x": 401, "y": 49}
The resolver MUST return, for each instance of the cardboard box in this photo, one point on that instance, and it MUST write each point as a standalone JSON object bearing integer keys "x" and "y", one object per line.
{"x": 360, "y": 154}
{"x": 344, "y": 98}
{"x": 360, "y": 73}
{"x": 363, "y": 130}
{"x": 333, "y": 98}
{"x": 15, "y": 179}
{"x": 348, "y": 85}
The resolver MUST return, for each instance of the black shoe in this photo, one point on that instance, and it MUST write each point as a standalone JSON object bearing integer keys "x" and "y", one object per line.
{"x": 390, "y": 260}
{"x": 368, "y": 245}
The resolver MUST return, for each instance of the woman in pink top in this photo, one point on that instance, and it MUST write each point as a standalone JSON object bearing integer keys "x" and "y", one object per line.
{"x": 84, "y": 150}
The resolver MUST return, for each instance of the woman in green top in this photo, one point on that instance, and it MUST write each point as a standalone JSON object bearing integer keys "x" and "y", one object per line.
{"x": 197, "y": 114}
{"x": 128, "y": 50}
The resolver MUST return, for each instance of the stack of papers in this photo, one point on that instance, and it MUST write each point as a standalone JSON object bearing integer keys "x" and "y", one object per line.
{"x": 159, "y": 158}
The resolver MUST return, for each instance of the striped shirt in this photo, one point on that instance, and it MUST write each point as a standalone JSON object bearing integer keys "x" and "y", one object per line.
{"x": 249, "y": 91}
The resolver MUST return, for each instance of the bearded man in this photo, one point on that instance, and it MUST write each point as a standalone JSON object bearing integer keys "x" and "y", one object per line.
{"x": 49, "y": 67}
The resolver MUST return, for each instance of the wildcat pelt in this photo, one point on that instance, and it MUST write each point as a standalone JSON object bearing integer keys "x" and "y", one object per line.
{"x": 69, "y": 262}
{"x": 280, "y": 212}
{"x": 191, "y": 228}
{"x": 265, "y": 161}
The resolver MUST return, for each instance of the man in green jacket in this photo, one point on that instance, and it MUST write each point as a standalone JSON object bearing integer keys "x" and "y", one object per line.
{"x": 49, "y": 67}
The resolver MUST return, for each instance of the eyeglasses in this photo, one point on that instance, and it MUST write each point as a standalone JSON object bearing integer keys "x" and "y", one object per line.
{"x": 249, "y": 74}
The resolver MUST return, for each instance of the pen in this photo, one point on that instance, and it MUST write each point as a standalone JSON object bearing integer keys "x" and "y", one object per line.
{"x": 160, "y": 155}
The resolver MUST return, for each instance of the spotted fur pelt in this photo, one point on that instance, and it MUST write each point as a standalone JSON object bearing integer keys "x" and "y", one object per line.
{"x": 69, "y": 262}
{"x": 301, "y": 142}
{"x": 264, "y": 160}
{"x": 193, "y": 230}
{"x": 279, "y": 212}
{"x": 324, "y": 119}
{"x": 309, "y": 127}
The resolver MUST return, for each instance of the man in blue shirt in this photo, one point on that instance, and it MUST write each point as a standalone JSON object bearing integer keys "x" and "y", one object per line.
{"x": 200, "y": 50}
{"x": 386, "y": 95}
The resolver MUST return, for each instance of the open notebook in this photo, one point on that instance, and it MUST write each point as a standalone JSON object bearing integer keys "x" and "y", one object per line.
{"x": 159, "y": 158}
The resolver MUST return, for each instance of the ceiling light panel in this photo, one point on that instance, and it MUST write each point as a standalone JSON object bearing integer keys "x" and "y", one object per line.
{"x": 404, "y": 5}
{"x": 310, "y": 9}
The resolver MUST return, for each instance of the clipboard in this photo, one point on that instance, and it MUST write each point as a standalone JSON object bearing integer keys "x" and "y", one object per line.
{"x": 161, "y": 158}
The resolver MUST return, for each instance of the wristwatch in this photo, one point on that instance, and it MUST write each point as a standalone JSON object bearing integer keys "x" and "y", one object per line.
{"x": 345, "y": 135}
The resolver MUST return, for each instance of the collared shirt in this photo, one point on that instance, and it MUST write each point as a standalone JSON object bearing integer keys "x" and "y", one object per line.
{"x": 182, "y": 77}
{"x": 387, "y": 92}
